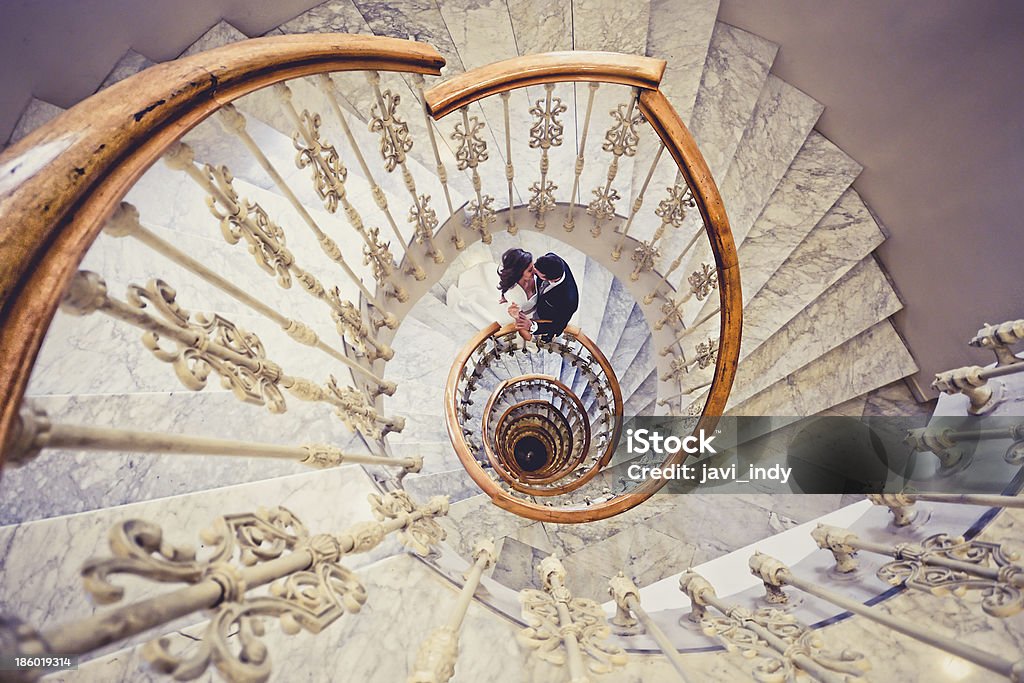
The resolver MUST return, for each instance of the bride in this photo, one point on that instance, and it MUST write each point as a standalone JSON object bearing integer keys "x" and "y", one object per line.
{"x": 517, "y": 283}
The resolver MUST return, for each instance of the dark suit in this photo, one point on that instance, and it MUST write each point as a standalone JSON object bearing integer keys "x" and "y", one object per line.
{"x": 556, "y": 304}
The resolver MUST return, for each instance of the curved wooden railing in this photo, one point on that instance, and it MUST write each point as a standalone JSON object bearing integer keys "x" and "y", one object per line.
{"x": 62, "y": 181}
{"x": 644, "y": 74}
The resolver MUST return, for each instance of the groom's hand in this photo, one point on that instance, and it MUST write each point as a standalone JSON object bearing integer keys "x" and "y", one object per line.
{"x": 523, "y": 322}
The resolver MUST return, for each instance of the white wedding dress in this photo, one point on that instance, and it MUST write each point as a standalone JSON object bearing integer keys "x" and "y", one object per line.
{"x": 475, "y": 297}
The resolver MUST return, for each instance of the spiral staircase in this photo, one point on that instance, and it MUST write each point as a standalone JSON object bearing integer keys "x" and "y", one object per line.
{"x": 816, "y": 340}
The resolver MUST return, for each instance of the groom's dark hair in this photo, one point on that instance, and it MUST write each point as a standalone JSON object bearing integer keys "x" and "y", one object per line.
{"x": 550, "y": 265}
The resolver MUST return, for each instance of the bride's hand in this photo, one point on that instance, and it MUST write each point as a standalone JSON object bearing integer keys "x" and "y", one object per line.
{"x": 513, "y": 310}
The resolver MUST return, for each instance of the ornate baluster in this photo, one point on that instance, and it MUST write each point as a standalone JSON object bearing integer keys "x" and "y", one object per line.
{"x": 395, "y": 138}
{"x": 682, "y": 394}
{"x": 442, "y": 173}
{"x": 556, "y": 617}
{"x": 34, "y": 431}
{"x": 545, "y": 133}
{"x": 999, "y": 338}
{"x": 243, "y": 219}
{"x": 510, "y": 171}
{"x": 125, "y": 223}
{"x": 570, "y": 224}
{"x": 940, "y": 564}
{"x": 203, "y": 344}
{"x": 783, "y": 644}
{"x": 471, "y": 153}
{"x": 689, "y": 330}
{"x": 901, "y": 505}
{"x": 647, "y": 253}
{"x": 775, "y": 575}
{"x": 706, "y": 356}
{"x": 435, "y": 661}
{"x": 627, "y": 603}
{"x": 234, "y": 122}
{"x": 309, "y": 587}
{"x": 649, "y": 298}
{"x": 394, "y": 145}
{"x": 329, "y": 176}
{"x": 621, "y": 140}
{"x": 702, "y": 283}
{"x": 977, "y": 384}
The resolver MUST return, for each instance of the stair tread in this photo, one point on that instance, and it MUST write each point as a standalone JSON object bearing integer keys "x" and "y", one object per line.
{"x": 130, "y": 63}
{"x": 36, "y": 113}
{"x": 222, "y": 33}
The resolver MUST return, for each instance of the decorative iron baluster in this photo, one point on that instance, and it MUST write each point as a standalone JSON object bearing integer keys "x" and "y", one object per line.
{"x": 510, "y": 171}
{"x": 309, "y": 588}
{"x": 125, "y": 223}
{"x": 471, "y": 153}
{"x": 999, "y": 338}
{"x": 435, "y": 661}
{"x": 234, "y": 122}
{"x": 901, "y": 505}
{"x": 35, "y": 432}
{"x": 556, "y": 618}
{"x": 329, "y": 176}
{"x": 702, "y": 283}
{"x": 546, "y": 132}
{"x": 442, "y": 173}
{"x": 783, "y": 644}
{"x": 638, "y": 203}
{"x": 940, "y": 564}
{"x": 776, "y": 575}
{"x": 689, "y": 330}
{"x": 203, "y": 344}
{"x": 621, "y": 140}
{"x": 570, "y": 224}
{"x": 243, "y": 219}
{"x": 627, "y": 604}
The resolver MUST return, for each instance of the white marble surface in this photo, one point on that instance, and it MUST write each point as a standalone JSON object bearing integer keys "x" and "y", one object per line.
{"x": 37, "y": 112}
{"x": 542, "y": 25}
{"x": 130, "y": 63}
{"x": 680, "y": 33}
{"x": 333, "y": 16}
{"x": 600, "y": 25}
{"x": 414, "y": 20}
{"x": 842, "y": 238}
{"x": 735, "y": 70}
{"x": 43, "y": 558}
{"x": 818, "y": 176}
{"x": 860, "y": 299}
{"x": 872, "y": 359}
{"x": 222, "y": 33}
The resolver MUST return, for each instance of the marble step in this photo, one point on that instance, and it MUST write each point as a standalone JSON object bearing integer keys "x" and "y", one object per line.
{"x": 828, "y": 322}
{"x": 679, "y": 34}
{"x": 220, "y": 34}
{"x": 44, "y": 557}
{"x": 734, "y": 74}
{"x": 438, "y": 455}
{"x": 130, "y": 63}
{"x": 61, "y": 482}
{"x": 36, "y": 113}
{"x": 841, "y": 239}
{"x": 814, "y": 182}
{"x": 456, "y": 484}
{"x": 874, "y": 358}
{"x": 782, "y": 119}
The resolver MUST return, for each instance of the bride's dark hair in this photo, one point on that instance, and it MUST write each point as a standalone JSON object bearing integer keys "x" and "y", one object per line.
{"x": 513, "y": 263}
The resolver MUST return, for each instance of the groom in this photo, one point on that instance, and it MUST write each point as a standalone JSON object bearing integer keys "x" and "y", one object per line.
{"x": 557, "y": 299}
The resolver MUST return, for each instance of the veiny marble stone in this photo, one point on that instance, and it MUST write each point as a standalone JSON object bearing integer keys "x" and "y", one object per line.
{"x": 842, "y": 238}
{"x": 818, "y": 176}
{"x": 43, "y": 558}
{"x": 542, "y": 25}
{"x": 36, "y": 113}
{"x": 413, "y": 20}
{"x": 860, "y": 299}
{"x": 333, "y": 16}
{"x": 680, "y": 34}
{"x": 872, "y": 359}
{"x": 130, "y": 63}
{"x": 220, "y": 34}
{"x": 517, "y": 563}
{"x": 438, "y": 456}
{"x": 61, "y": 482}
{"x": 599, "y": 25}
{"x": 631, "y": 341}
{"x": 478, "y": 517}
{"x": 640, "y": 396}
{"x": 735, "y": 70}
{"x": 455, "y": 484}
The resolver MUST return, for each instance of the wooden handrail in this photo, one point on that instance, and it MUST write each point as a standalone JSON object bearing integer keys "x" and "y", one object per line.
{"x": 644, "y": 73}
{"x": 60, "y": 183}
{"x": 534, "y": 482}
{"x": 502, "y": 498}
